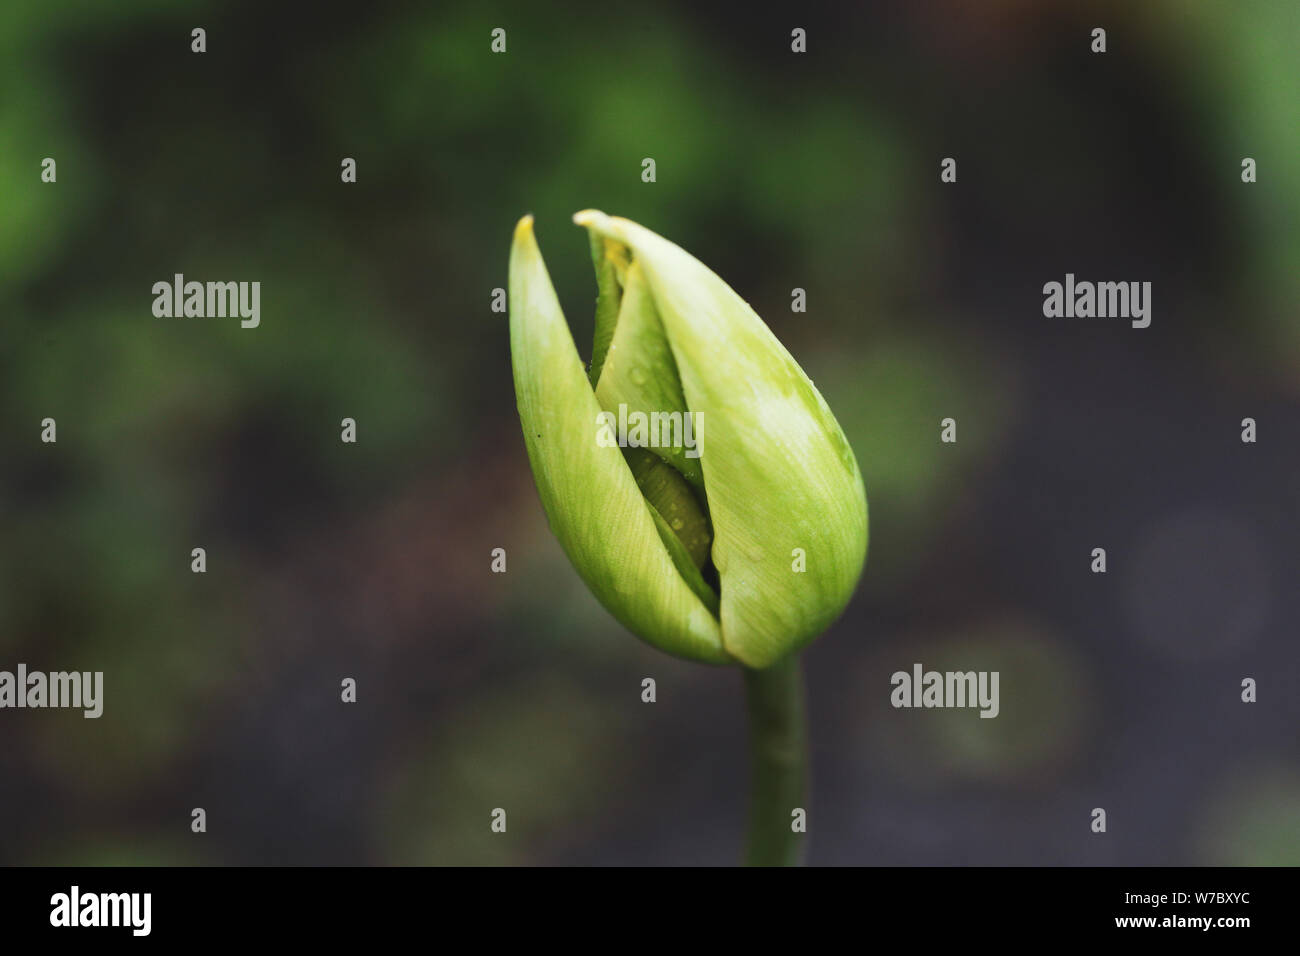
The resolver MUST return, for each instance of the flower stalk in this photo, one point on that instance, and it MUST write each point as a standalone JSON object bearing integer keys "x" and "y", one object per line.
{"x": 779, "y": 757}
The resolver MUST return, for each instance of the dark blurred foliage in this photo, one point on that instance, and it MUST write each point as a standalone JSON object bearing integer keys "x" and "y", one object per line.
{"x": 371, "y": 560}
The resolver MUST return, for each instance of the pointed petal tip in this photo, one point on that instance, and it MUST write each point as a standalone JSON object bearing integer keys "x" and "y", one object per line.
{"x": 524, "y": 229}
{"x": 590, "y": 218}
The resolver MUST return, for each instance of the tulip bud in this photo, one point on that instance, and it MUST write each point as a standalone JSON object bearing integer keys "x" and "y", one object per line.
{"x": 691, "y": 548}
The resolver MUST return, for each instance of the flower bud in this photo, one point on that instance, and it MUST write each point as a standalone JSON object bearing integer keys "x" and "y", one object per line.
{"x": 729, "y": 522}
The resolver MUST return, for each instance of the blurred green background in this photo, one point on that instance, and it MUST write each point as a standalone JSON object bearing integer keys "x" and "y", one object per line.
{"x": 818, "y": 171}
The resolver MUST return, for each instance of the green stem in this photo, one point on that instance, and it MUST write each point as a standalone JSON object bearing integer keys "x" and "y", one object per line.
{"x": 779, "y": 750}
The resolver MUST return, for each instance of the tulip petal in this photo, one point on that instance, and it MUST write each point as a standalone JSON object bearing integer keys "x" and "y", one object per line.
{"x": 683, "y": 561}
{"x": 671, "y": 497}
{"x": 639, "y": 372}
{"x": 779, "y": 473}
{"x": 610, "y": 260}
{"x": 591, "y": 499}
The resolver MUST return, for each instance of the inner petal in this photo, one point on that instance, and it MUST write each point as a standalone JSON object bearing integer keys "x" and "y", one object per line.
{"x": 639, "y": 385}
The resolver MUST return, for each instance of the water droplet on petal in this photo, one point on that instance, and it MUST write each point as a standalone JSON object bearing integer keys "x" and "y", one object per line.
{"x": 677, "y": 524}
{"x": 637, "y": 375}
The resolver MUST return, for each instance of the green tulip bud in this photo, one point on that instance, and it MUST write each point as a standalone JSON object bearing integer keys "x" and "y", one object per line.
{"x": 742, "y": 548}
